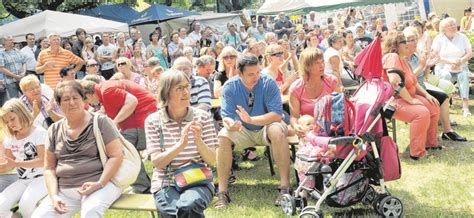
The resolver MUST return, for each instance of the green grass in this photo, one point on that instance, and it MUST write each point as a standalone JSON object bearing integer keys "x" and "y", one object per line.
{"x": 440, "y": 186}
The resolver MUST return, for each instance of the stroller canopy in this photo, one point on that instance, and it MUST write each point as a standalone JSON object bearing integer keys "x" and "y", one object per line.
{"x": 369, "y": 61}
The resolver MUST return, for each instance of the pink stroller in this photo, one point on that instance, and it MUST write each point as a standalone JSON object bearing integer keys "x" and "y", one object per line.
{"x": 368, "y": 157}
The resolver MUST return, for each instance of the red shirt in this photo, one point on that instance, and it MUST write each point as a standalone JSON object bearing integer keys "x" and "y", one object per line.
{"x": 112, "y": 96}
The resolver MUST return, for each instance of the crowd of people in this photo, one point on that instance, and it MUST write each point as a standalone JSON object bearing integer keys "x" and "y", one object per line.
{"x": 158, "y": 96}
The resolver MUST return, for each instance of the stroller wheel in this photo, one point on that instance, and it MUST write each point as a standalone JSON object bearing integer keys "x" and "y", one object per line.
{"x": 390, "y": 206}
{"x": 310, "y": 212}
{"x": 288, "y": 204}
{"x": 376, "y": 202}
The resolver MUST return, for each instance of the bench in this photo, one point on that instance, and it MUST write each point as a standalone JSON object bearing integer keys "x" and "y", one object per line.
{"x": 136, "y": 202}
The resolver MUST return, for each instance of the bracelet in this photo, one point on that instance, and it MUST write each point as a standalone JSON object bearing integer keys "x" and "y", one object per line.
{"x": 101, "y": 185}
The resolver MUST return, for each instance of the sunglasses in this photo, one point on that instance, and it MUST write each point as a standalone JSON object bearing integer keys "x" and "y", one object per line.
{"x": 251, "y": 99}
{"x": 121, "y": 64}
{"x": 278, "y": 54}
{"x": 92, "y": 65}
{"x": 230, "y": 57}
{"x": 402, "y": 42}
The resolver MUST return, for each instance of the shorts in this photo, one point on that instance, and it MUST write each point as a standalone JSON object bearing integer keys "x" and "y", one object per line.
{"x": 249, "y": 138}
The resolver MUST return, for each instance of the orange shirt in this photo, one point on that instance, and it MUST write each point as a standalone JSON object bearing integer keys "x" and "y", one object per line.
{"x": 392, "y": 60}
{"x": 61, "y": 59}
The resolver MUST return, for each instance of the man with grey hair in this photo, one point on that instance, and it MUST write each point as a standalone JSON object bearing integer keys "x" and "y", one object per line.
{"x": 205, "y": 67}
{"x": 282, "y": 26}
{"x": 270, "y": 38}
{"x": 12, "y": 69}
{"x": 200, "y": 91}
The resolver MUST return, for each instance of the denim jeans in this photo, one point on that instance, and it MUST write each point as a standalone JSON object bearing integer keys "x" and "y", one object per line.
{"x": 190, "y": 203}
{"x": 136, "y": 136}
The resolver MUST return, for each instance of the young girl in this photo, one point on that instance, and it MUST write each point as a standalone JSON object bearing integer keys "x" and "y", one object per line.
{"x": 24, "y": 150}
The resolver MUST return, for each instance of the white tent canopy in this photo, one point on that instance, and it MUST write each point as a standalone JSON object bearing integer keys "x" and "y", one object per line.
{"x": 217, "y": 21}
{"x": 304, "y": 6}
{"x": 64, "y": 24}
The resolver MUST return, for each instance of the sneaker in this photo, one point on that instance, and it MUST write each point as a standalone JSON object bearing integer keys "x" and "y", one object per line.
{"x": 283, "y": 190}
{"x": 453, "y": 136}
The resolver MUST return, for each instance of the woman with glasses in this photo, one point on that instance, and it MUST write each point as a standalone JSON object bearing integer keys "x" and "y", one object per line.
{"x": 313, "y": 84}
{"x": 226, "y": 69}
{"x": 124, "y": 66}
{"x": 178, "y": 136}
{"x": 92, "y": 68}
{"x": 273, "y": 62}
{"x": 414, "y": 105}
{"x": 42, "y": 107}
{"x": 455, "y": 51}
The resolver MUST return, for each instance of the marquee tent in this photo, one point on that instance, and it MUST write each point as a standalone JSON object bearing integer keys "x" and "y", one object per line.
{"x": 305, "y": 6}
{"x": 64, "y": 24}
{"x": 158, "y": 13}
{"x": 116, "y": 12}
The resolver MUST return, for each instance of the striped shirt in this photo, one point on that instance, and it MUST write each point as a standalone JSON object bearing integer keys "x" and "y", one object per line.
{"x": 13, "y": 60}
{"x": 60, "y": 59}
{"x": 200, "y": 91}
{"x": 171, "y": 135}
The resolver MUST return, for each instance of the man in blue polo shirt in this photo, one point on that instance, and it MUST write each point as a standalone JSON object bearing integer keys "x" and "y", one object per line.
{"x": 252, "y": 115}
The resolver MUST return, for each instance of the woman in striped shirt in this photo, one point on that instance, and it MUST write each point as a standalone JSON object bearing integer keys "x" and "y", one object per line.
{"x": 177, "y": 136}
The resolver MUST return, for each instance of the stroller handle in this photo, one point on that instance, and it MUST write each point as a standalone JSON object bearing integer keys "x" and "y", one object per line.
{"x": 343, "y": 139}
{"x": 401, "y": 84}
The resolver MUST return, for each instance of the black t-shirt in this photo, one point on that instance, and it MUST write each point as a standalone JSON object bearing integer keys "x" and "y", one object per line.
{"x": 221, "y": 76}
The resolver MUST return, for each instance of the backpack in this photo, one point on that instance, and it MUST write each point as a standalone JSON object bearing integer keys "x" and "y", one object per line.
{"x": 333, "y": 115}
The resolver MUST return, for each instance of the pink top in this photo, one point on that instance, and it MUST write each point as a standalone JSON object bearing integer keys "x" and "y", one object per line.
{"x": 307, "y": 105}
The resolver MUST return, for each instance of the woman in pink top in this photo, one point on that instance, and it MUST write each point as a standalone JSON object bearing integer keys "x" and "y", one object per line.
{"x": 313, "y": 84}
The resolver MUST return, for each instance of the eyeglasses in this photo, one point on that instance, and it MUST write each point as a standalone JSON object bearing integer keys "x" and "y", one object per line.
{"x": 181, "y": 89}
{"x": 230, "y": 57}
{"x": 412, "y": 40}
{"x": 251, "y": 99}
{"x": 33, "y": 89}
{"x": 93, "y": 65}
{"x": 121, "y": 64}
{"x": 402, "y": 42}
{"x": 278, "y": 54}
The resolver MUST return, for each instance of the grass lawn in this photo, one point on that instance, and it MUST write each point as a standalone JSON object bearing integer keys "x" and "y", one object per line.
{"x": 440, "y": 186}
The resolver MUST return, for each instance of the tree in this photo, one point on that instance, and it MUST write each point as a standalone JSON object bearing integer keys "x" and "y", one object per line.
{"x": 26, "y": 8}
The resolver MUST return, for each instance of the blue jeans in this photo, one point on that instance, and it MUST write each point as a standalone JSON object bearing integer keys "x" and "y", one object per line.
{"x": 190, "y": 203}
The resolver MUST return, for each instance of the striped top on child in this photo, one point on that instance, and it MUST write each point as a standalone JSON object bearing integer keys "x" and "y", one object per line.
{"x": 171, "y": 135}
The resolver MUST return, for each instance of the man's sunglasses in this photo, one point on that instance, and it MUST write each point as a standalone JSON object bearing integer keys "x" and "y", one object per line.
{"x": 251, "y": 99}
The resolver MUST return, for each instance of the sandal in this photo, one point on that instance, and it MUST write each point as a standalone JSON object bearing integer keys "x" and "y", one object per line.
{"x": 223, "y": 200}
{"x": 246, "y": 153}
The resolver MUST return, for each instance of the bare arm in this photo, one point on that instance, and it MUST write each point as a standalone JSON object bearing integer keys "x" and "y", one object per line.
{"x": 218, "y": 88}
{"x": 7, "y": 72}
{"x": 128, "y": 108}
{"x": 114, "y": 153}
{"x": 49, "y": 173}
{"x": 37, "y": 162}
{"x": 334, "y": 61}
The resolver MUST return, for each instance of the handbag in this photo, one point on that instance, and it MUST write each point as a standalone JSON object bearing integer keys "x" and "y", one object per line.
{"x": 191, "y": 176}
{"x": 131, "y": 164}
{"x": 188, "y": 176}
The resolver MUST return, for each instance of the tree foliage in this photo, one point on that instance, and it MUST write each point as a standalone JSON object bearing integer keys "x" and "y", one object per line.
{"x": 26, "y": 8}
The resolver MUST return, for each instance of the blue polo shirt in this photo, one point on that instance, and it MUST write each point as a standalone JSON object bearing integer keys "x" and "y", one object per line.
{"x": 266, "y": 94}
